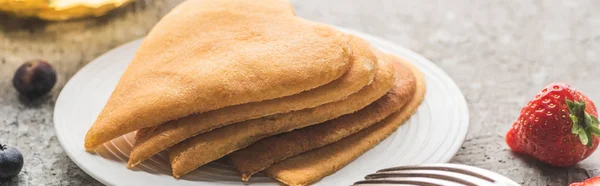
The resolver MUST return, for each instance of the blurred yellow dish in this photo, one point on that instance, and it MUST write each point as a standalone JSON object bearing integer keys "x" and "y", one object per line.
{"x": 60, "y": 9}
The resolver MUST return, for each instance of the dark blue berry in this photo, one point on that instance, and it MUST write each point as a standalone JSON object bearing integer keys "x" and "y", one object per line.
{"x": 11, "y": 161}
{"x": 34, "y": 78}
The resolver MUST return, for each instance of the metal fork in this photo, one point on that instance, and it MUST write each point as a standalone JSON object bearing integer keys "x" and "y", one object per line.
{"x": 436, "y": 175}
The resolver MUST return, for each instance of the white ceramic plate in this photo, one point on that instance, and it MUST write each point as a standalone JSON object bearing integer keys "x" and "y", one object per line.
{"x": 433, "y": 135}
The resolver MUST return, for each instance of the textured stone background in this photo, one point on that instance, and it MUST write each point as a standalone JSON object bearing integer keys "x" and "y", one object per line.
{"x": 500, "y": 53}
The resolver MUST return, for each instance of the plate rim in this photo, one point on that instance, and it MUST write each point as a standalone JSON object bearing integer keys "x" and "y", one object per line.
{"x": 453, "y": 150}
{"x": 463, "y": 102}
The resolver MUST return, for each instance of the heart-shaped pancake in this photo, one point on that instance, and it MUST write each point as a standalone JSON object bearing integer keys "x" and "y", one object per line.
{"x": 205, "y": 55}
{"x": 149, "y": 141}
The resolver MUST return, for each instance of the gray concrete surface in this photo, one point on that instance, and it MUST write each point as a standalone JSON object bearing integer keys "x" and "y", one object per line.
{"x": 499, "y": 52}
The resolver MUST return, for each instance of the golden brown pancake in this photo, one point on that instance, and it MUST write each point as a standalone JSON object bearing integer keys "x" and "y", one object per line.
{"x": 209, "y": 54}
{"x": 268, "y": 151}
{"x": 313, "y": 165}
{"x": 197, "y": 151}
{"x": 150, "y": 141}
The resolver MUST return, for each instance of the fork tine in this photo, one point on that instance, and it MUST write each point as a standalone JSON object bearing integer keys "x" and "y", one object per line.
{"x": 440, "y": 168}
{"x": 408, "y": 182}
{"x": 423, "y": 175}
{"x": 436, "y": 174}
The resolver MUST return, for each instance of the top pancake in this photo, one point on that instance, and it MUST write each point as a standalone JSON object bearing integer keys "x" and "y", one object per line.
{"x": 150, "y": 141}
{"x": 208, "y": 54}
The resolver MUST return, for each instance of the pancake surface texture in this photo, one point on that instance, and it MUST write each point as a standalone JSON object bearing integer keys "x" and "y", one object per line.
{"x": 209, "y": 54}
{"x": 313, "y": 165}
{"x": 265, "y": 152}
{"x": 197, "y": 151}
{"x": 150, "y": 141}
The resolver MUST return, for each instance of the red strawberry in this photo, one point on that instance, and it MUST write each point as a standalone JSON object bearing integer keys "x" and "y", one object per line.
{"x": 595, "y": 181}
{"x": 558, "y": 127}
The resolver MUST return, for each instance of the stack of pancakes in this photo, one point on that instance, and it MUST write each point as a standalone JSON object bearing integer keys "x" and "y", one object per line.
{"x": 249, "y": 79}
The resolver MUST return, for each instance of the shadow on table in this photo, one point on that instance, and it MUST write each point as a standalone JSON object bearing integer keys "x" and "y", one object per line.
{"x": 573, "y": 174}
{"x": 14, "y": 181}
{"x": 35, "y": 102}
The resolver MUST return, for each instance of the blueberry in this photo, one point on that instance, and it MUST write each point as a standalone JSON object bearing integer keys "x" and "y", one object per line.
{"x": 11, "y": 161}
{"x": 34, "y": 78}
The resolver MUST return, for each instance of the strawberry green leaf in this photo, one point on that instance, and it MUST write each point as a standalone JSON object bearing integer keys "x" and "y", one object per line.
{"x": 592, "y": 123}
{"x": 585, "y": 126}
{"x": 594, "y": 130}
{"x": 583, "y": 137}
{"x": 589, "y": 120}
{"x": 572, "y": 106}
{"x": 576, "y": 108}
{"x": 575, "y": 128}
{"x": 590, "y": 138}
{"x": 594, "y": 120}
